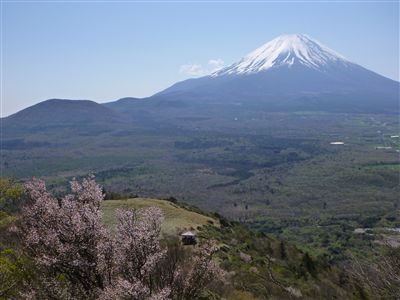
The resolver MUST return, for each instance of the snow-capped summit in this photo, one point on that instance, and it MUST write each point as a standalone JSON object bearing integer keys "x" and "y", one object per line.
{"x": 285, "y": 50}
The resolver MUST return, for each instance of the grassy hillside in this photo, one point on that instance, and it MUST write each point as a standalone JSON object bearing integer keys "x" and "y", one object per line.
{"x": 177, "y": 218}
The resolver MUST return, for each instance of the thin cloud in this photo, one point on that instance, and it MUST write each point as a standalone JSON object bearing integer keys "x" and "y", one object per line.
{"x": 215, "y": 64}
{"x": 200, "y": 70}
{"x": 191, "y": 69}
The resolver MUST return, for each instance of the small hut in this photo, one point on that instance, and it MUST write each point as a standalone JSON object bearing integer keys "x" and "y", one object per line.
{"x": 189, "y": 238}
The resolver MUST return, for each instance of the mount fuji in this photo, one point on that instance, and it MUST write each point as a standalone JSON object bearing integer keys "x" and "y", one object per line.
{"x": 291, "y": 72}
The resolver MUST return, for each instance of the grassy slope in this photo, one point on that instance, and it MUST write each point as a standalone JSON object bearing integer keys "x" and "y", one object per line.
{"x": 176, "y": 220}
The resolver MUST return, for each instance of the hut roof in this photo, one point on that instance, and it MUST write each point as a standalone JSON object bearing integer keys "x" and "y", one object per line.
{"x": 188, "y": 233}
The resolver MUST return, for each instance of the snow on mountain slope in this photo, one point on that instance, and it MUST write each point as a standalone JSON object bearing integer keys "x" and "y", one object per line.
{"x": 286, "y": 50}
{"x": 291, "y": 72}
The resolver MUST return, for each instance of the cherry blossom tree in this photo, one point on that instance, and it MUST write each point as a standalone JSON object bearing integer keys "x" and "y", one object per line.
{"x": 67, "y": 239}
{"x": 137, "y": 253}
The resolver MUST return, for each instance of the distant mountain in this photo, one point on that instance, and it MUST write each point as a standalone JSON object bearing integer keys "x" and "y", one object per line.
{"x": 293, "y": 72}
{"x": 60, "y": 113}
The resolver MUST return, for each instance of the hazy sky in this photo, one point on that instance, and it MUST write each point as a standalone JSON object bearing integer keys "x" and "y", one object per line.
{"x": 107, "y": 50}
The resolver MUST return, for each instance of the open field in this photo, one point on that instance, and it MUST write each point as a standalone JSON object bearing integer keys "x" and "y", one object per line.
{"x": 176, "y": 218}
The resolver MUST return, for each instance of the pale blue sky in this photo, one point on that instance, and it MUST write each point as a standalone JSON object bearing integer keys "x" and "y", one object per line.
{"x": 105, "y": 50}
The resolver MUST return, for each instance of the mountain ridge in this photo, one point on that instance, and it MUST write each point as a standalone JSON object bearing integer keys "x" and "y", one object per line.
{"x": 55, "y": 112}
